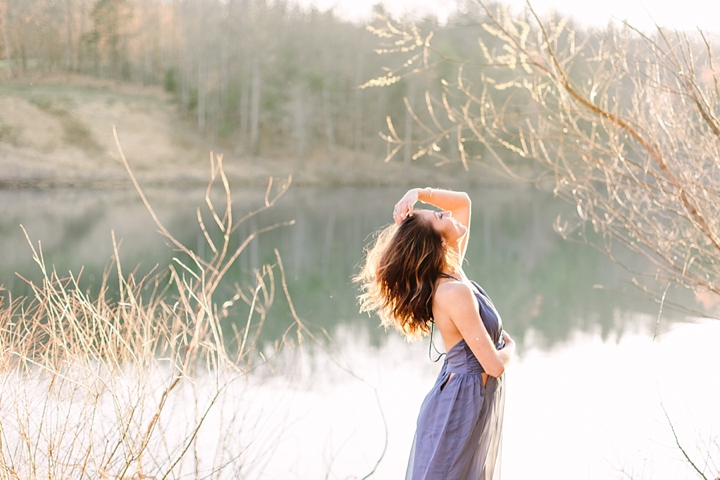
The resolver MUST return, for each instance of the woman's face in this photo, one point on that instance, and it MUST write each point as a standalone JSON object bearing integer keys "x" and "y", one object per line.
{"x": 449, "y": 229}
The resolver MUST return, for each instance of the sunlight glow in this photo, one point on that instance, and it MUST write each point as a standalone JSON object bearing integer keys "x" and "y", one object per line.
{"x": 642, "y": 14}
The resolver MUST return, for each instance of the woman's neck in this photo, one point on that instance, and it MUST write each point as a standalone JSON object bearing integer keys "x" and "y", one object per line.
{"x": 454, "y": 273}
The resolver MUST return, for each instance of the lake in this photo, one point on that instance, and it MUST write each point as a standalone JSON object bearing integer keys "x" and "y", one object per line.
{"x": 596, "y": 364}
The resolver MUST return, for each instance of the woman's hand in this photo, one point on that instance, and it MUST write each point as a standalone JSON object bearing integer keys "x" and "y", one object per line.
{"x": 509, "y": 345}
{"x": 404, "y": 208}
{"x": 508, "y": 341}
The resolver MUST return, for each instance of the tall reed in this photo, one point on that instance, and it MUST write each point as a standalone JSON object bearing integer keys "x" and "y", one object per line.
{"x": 142, "y": 381}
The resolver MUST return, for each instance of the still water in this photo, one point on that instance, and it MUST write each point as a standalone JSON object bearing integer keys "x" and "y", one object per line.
{"x": 595, "y": 363}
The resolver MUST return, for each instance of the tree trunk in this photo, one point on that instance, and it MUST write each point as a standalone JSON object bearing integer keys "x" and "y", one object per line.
{"x": 255, "y": 107}
{"x": 214, "y": 103}
{"x": 379, "y": 124}
{"x": 4, "y": 25}
{"x": 453, "y": 140}
{"x": 357, "y": 104}
{"x": 80, "y": 48}
{"x": 329, "y": 124}
{"x": 299, "y": 129}
{"x": 202, "y": 67}
{"x": 185, "y": 84}
{"x": 224, "y": 68}
{"x": 329, "y": 242}
{"x": 244, "y": 111}
{"x": 409, "y": 122}
{"x": 147, "y": 62}
{"x": 70, "y": 45}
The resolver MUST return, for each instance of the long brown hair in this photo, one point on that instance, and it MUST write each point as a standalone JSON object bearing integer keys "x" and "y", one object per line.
{"x": 400, "y": 273}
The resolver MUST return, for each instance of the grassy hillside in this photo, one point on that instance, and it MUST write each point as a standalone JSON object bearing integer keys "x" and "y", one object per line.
{"x": 58, "y": 132}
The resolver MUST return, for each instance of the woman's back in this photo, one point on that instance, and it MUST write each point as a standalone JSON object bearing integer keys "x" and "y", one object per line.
{"x": 459, "y": 427}
{"x": 412, "y": 279}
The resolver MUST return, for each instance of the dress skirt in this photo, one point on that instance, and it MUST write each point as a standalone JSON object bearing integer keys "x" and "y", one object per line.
{"x": 459, "y": 428}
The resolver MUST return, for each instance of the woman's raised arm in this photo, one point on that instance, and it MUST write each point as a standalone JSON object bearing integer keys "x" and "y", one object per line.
{"x": 456, "y": 301}
{"x": 457, "y": 203}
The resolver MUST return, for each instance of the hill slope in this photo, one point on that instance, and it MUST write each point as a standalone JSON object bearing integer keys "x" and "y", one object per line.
{"x": 58, "y": 132}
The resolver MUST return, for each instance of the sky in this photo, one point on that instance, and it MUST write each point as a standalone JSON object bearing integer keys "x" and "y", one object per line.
{"x": 680, "y": 15}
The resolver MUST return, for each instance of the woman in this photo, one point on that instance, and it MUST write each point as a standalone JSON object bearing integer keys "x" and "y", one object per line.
{"x": 413, "y": 279}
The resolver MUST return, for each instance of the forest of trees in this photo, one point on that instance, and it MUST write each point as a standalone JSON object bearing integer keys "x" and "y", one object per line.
{"x": 254, "y": 74}
{"x": 259, "y": 76}
{"x": 624, "y": 124}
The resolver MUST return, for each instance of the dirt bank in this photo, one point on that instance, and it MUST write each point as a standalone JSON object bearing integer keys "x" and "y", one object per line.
{"x": 57, "y": 132}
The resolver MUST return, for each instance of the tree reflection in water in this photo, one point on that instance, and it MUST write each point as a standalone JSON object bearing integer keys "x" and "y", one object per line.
{"x": 544, "y": 287}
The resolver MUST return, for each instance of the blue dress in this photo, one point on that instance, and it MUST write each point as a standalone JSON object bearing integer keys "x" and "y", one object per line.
{"x": 459, "y": 428}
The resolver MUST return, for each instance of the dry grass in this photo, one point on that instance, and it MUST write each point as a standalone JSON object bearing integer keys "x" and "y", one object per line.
{"x": 75, "y": 133}
{"x": 56, "y": 132}
{"x": 10, "y": 134}
{"x": 140, "y": 382}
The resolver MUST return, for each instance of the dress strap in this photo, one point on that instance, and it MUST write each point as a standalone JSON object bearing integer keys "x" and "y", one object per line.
{"x": 482, "y": 293}
{"x": 447, "y": 275}
{"x": 432, "y": 345}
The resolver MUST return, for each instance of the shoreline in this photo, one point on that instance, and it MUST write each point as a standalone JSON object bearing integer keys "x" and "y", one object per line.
{"x": 56, "y": 133}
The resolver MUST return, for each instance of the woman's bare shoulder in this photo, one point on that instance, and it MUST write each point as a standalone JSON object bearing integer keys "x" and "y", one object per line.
{"x": 453, "y": 293}
{"x": 455, "y": 304}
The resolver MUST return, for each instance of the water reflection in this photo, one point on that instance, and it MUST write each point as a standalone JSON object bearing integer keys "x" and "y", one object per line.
{"x": 543, "y": 286}
{"x": 600, "y": 399}
{"x": 590, "y": 409}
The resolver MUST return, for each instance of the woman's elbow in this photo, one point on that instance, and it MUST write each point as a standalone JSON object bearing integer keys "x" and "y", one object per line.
{"x": 495, "y": 370}
{"x": 497, "y": 367}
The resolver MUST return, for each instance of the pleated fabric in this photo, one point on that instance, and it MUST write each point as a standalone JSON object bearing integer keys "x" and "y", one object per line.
{"x": 459, "y": 428}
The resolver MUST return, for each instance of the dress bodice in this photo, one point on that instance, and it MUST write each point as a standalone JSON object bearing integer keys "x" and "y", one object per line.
{"x": 460, "y": 359}
{"x": 459, "y": 428}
